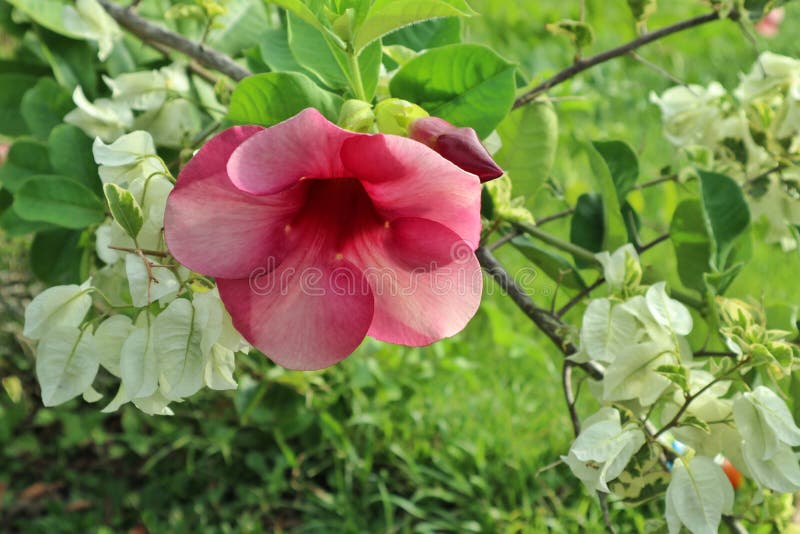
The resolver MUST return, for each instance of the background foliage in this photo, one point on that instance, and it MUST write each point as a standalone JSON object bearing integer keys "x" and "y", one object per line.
{"x": 461, "y": 436}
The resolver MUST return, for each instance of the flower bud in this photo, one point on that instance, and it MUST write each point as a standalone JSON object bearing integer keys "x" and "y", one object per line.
{"x": 459, "y": 145}
{"x": 357, "y": 116}
{"x": 395, "y": 115}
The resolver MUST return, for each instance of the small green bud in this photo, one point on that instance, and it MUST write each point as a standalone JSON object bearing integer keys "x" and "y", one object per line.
{"x": 357, "y": 116}
{"x": 344, "y": 24}
{"x": 394, "y": 115}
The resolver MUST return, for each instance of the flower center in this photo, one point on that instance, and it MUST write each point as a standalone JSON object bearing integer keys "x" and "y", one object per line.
{"x": 335, "y": 213}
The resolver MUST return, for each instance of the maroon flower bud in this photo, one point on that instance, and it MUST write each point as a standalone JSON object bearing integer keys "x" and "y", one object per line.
{"x": 459, "y": 145}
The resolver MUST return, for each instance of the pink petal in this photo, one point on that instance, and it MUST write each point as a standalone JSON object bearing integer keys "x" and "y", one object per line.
{"x": 305, "y": 146}
{"x": 425, "y": 279}
{"x": 214, "y": 228}
{"x": 405, "y": 178}
{"x": 302, "y": 316}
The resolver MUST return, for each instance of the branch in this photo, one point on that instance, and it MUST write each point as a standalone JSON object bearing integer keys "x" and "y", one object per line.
{"x": 151, "y": 33}
{"x": 569, "y": 396}
{"x": 584, "y": 64}
{"x": 546, "y": 321}
{"x": 647, "y": 246}
{"x": 570, "y": 248}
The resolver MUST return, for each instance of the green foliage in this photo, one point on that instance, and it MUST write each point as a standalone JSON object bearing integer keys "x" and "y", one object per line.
{"x": 614, "y": 230}
{"x": 384, "y": 16}
{"x": 622, "y": 164}
{"x": 124, "y": 208}
{"x": 558, "y": 268}
{"x": 270, "y": 98}
{"x": 43, "y": 107}
{"x": 57, "y": 200}
{"x": 467, "y": 85}
{"x": 587, "y": 225}
{"x": 530, "y": 137}
{"x": 12, "y": 90}
{"x": 427, "y": 34}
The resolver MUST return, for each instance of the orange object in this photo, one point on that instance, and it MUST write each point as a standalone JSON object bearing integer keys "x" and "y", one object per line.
{"x": 732, "y": 473}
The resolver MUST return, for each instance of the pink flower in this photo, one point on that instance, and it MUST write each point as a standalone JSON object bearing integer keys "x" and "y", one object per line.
{"x": 318, "y": 236}
{"x": 770, "y": 25}
{"x": 459, "y": 145}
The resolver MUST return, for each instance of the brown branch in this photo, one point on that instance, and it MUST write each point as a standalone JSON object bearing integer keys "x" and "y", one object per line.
{"x": 579, "y": 297}
{"x": 555, "y": 216}
{"x": 714, "y": 353}
{"x": 547, "y": 322}
{"x": 657, "y": 181}
{"x": 569, "y": 396}
{"x": 152, "y": 33}
{"x": 622, "y": 50}
{"x": 647, "y": 246}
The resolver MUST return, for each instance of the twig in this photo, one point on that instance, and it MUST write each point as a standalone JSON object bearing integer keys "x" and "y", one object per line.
{"x": 656, "y": 181}
{"x": 734, "y": 525}
{"x": 571, "y": 248}
{"x": 660, "y": 70}
{"x": 584, "y": 64}
{"x": 151, "y": 33}
{"x": 555, "y": 216}
{"x": 689, "y": 398}
{"x": 579, "y": 297}
{"x": 547, "y": 322}
{"x": 141, "y": 251}
{"x": 604, "y": 507}
{"x": 651, "y": 244}
{"x": 710, "y": 353}
{"x": 569, "y": 396}
{"x": 194, "y": 66}
{"x": 503, "y": 240}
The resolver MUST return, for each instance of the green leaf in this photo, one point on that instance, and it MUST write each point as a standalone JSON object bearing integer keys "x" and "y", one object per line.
{"x": 241, "y": 26}
{"x": 26, "y": 157}
{"x": 58, "y": 200}
{"x": 642, "y": 9}
{"x": 726, "y": 211}
{"x": 14, "y": 225}
{"x": 426, "y": 34}
{"x": 56, "y": 257}
{"x": 586, "y": 226}
{"x": 692, "y": 244}
{"x": 622, "y": 164}
{"x": 276, "y": 54}
{"x": 48, "y": 13}
{"x": 719, "y": 282}
{"x": 465, "y": 84}
{"x": 298, "y": 8}
{"x": 677, "y": 374}
{"x": 385, "y": 16}
{"x": 270, "y": 98}
{"x": 12, "y": 90}
{"x": 530, "y": 137}
{"x": 72, "y": 62}
{"x": 614, "y": 232}
{"x": 70, "y": 152}
{"x": 124, "y": 208}
{"x": 580, "y": 33}
{"x": 691, "y": 420}
{"x": 556, "y": 267}
{"x": 328, "y": 62}
{"x": 44, "y": 106}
